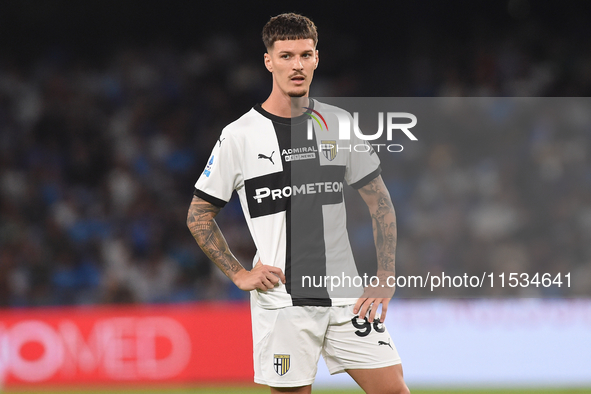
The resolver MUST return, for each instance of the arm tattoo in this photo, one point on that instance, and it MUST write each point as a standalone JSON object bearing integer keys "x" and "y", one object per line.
{"x": 383, "y": 223}
{"x": 206, "y": 232}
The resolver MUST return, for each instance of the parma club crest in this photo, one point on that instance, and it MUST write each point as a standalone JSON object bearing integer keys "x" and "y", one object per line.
{"x": 329, "y": 149}
{"x": 281, "y": 364}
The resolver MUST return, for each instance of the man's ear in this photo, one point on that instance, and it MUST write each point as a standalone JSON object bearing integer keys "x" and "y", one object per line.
{"x": 268, "y": 63}
{"x": 317, "y": 59}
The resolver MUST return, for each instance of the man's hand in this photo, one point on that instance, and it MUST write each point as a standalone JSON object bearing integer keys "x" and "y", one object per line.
{"x": 365, "y": 304}
{"x": 373, "y": 296}
{"x": 261, "y": 277}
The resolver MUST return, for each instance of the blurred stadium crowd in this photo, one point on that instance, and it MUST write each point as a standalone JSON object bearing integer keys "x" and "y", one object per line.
{"x": 98, "y": 162}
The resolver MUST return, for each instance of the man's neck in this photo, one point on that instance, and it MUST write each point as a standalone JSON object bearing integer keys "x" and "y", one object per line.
{"x": 285, "y": 106}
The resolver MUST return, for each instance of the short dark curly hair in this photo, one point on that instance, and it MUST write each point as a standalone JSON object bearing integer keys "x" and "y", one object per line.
{"x": 289, "y": 26}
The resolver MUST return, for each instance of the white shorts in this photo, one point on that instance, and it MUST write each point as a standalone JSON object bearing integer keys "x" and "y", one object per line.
{"x": 288, "y": 341}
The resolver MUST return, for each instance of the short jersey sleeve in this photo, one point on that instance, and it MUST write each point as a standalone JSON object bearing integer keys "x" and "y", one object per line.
{"x": 222, "y": 173}
{"x": 363, "y": 164}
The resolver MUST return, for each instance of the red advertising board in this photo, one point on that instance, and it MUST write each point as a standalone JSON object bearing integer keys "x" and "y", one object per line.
{"x": 201, "y": 342}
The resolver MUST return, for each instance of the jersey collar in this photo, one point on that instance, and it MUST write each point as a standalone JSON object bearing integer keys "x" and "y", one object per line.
{"x": 287, "y": 121}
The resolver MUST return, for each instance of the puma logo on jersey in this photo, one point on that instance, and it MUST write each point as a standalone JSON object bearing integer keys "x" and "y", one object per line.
{"x": 270, "y": 157}
{"x": 380, "y": 343}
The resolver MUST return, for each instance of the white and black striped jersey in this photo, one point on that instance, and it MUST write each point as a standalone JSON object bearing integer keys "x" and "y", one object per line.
{"x": 290, "y": 184}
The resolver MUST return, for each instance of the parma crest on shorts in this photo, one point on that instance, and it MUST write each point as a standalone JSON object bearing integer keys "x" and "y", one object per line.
{"x": 281, "y": 363}
{"x": 329, "y": 149}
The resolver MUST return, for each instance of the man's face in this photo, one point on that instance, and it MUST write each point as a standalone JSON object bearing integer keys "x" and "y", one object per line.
{"x": 292, "y": 63}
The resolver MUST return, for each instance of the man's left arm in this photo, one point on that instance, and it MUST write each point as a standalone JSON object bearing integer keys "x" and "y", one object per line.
{"x": 383, "y": 218}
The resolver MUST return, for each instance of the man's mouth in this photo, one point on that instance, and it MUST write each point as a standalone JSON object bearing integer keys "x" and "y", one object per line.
{"x": 298, "y": 78}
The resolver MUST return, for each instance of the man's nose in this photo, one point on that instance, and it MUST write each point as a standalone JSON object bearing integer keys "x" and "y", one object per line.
{"x": 297, "y": 63}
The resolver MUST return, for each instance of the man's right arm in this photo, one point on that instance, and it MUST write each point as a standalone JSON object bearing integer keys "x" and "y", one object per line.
{"x": 206, "y": 232}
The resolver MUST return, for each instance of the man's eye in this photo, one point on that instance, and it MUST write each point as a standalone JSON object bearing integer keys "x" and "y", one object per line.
{"x": 285, "y": 56}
